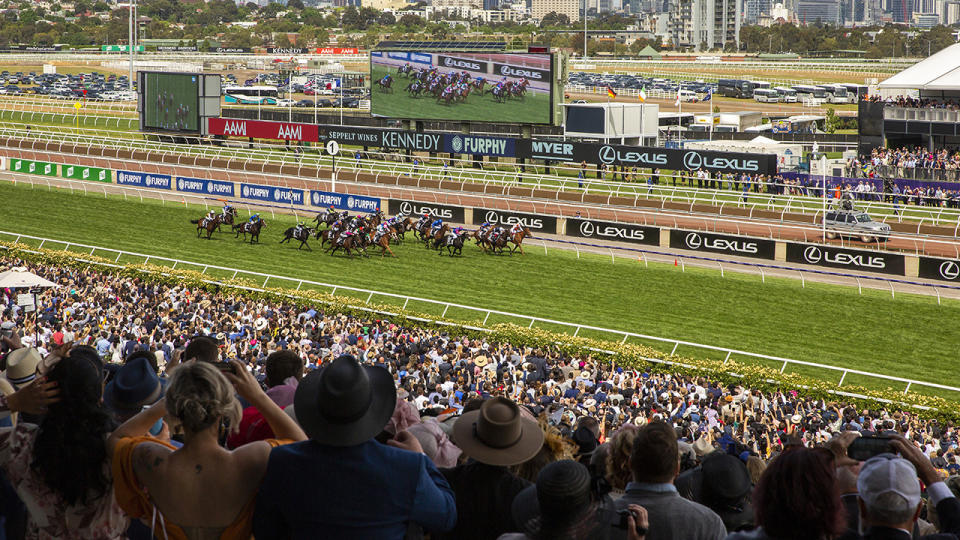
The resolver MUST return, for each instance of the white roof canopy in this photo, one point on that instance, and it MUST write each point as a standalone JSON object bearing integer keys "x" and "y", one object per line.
{"x": 939, "y": 72}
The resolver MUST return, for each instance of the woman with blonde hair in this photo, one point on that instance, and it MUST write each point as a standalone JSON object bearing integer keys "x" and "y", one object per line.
{"x": 618, "y": 460}
{"x": 201, "y": 490}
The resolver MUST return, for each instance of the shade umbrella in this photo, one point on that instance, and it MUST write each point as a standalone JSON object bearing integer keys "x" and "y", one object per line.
{"x": 21, "y": 278}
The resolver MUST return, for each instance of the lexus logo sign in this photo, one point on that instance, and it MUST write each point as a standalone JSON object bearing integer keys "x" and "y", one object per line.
{"x": 587, "y": 228}
{"x": 406, "y": 208}
{"x": 692, "y": 161}
{"x": 950, "y": 270}
{"x": 813, "y": 255}
{"x": 693, "y": 241}
{"x": 607, "y": 154}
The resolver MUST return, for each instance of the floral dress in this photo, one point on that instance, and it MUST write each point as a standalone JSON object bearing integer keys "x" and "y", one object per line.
{"x": 49, "y": 516}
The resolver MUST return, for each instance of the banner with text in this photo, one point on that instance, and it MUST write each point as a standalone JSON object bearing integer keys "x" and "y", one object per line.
{"x": 536, "y": 223}
{"x": 941, "y": 269}
{"x": 416, "y": 209}
{"x": 271, "y": 194}
{"x": 260, "y": 129}
{"x": 85, "y": 173}
{"x": 849, "y": 259}
{"x": 33, "y": 167}
{"x": 210, "y": 187}
{"x": 159, "y": 181}
{"x": 606, "y": 230}
{"x": 340, "y": 201}
{"x": 757, "y": 248}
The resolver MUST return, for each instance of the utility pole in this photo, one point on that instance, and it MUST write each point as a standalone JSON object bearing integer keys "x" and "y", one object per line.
{"x": 584, "y": 28}
{"x": 130, "y": 43}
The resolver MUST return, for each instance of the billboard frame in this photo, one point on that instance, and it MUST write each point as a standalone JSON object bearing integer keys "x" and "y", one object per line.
{"x": 209, "y": 94}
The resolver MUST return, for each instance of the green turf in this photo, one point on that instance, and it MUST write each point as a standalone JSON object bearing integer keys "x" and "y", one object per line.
{"x": 534, "y": 108}
{"x": 908, "y": 336}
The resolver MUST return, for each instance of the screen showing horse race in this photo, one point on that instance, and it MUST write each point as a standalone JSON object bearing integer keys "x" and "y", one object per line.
{"x": 462, "y": 86}
{"x": 171, "y": 101}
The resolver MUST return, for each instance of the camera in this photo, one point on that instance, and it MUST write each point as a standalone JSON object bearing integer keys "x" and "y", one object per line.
{"x": 623, "y": 523}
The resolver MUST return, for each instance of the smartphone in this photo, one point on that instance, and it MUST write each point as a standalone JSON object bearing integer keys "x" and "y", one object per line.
{"x": 157, "y": 426}
{"x": 623, "y": 524}
{"x": 864, "y": 448}
{"x": 225, "y": 367}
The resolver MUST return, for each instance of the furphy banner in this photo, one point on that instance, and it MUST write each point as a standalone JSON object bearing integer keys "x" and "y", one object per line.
{"x": 209, "y": 187}
{"x": 741, "y": 246}
{"x": 340, "y": 201}
{"x": 160, "y": 181}
{"x": 647, "y": 157}
{"x": 850, "y": 259}
{"x": 605, "y": 230}
{"x": 271, "y": 194}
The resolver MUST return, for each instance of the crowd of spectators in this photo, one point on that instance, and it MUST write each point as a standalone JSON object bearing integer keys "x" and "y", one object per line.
{"x": 146, "y": 409}
{"x": 949, "y": 103}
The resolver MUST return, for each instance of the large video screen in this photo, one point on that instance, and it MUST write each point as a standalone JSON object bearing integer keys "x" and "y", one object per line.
{"x": 460, "y": 86}
{"x": 171, "y": 101}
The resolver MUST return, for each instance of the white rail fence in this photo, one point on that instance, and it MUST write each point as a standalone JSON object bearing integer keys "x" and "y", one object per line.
{"x": 486, "y": 313}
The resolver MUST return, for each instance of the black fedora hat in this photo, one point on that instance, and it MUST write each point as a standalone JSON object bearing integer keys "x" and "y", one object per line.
{"x": 344, "y": 403}
{"x": 134, "y": 385}
{"x": 562, "y": 504}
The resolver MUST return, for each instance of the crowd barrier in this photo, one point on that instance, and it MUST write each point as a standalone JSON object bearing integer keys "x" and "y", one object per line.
{"x": 818, "y": 255}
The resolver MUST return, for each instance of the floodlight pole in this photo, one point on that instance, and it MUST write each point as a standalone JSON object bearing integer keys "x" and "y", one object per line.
{"x": 130, "y": 43}
{"x": 584, "y": 29}
{"x": 823, "y": 175}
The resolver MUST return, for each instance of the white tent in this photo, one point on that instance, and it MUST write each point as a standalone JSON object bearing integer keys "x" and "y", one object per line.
{"x": 20, "y": 278}
{"x": 938, "y": 72}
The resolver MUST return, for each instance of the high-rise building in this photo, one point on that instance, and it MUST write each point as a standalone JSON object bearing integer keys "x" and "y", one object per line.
{"x": 570, "y": 8}
{"x": 818, "y": 11}
{"x": 901, "y": 10}
{"x": 705, "y": 23}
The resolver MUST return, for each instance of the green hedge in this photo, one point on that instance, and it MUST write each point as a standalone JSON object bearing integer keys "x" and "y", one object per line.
{"x": 627, "y": 355}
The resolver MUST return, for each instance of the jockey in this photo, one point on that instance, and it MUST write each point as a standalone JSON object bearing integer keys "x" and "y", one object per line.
{"x": 211, "y": 214}
{"x": 516, "y": 228}
{"x": 457, "y": 231}
{"x": 227, "y": 208}
{"x": 435, "y": 226}
{"x": 254, "y": 218}
{"x": 299, "y": 228}
{"x": 495, "y": 234}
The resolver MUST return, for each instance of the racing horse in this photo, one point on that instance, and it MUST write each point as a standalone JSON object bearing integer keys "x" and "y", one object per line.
{"x": 517, "y": 239}
{"x": 327, "y": 217}
{"x": 414, "y": 89}
{"x": 383, "y": 241}
{"x": 438, "y": 236}
{"x": 405, "y": 70}
{"x": 356, "y": 241}
{"x": 253, "y": 229}
{"x": 454, "y": 243}
{"x": 302, "y": 235}
{"x": 227, "y": 217}
{"x": 499, "y": 93}
{"x": 385, "y": 83}
{"x": 400, "y": 228}
{"x": 210, "y": 224}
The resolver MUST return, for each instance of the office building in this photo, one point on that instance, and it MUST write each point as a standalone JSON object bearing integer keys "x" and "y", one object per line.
{"x": 709, "y": 24}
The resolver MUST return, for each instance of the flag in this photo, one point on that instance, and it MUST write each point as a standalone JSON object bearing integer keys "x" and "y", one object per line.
{"x": 610, "y": 93}
{"x": 709, "y": 94}
{"x": 333, "y": 85}
{"x": 643, "y": 94}
{"x": 677, "y": 102}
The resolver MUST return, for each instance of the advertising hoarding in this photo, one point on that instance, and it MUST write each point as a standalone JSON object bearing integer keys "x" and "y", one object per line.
{"x": 849, "y": 259}
{"x": 536, "y": 223}
{"x": 940, "y": 269}
{"x": 414, "y": 209}
{"x": 606, "y": 230}
{"x": 341, "y": 201}
{"x": 741, "y": 246}
{"x": 209, "y": 187}
{"x": 281, "y": 195}
{"x": 462, "y": 86}
{"x": 147, "y": 180}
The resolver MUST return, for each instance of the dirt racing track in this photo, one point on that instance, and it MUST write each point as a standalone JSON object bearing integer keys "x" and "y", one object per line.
{"x": 911, "y": 237}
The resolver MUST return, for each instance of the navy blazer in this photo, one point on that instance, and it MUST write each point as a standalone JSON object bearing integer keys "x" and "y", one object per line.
{"x": 371, "y": 490}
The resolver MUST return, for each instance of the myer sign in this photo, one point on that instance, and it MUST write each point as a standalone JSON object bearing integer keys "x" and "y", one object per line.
{"x": 605, "y": 230}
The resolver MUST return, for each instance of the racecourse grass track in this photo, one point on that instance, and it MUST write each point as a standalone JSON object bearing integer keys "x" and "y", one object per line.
{"x": 820, "y": 323}
{"x": 533, "y": 108}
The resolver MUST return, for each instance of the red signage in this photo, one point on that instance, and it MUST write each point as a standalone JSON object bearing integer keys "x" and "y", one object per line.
{"x": 260, "y": 129}
{"x": 338, "y": 50}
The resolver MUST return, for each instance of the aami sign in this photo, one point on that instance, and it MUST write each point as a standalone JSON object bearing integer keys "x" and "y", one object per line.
{"x": 260, "y": 129}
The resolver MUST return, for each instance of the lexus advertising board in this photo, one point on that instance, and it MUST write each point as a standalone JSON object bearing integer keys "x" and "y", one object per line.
{"x": 742, "y": 246}
{"x": 606, "y": 230}
{"x": 536, "y": 223}
{"x": 941, "y": 269}
{"x": 849, "y": 259}
{"x": 648, "y": 157}
{"x": 415, "y": 209}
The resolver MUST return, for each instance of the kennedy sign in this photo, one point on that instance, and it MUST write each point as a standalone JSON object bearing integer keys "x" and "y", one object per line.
{"x": 158, "y": 181}
{"x": 544, "y": 224}
{"x": 741, "y": 246}
{"x": 940, "y": 269}
{"x": 340, "y": 201}
{"x": 850, "y": 259}
{"x": 415, "y": 209}
{"x": 605, "y": 230}
{"x": 260, "y": 129}
{"x": 271, "y": 194}
{"x": 647, "y": 157}
{"x": 209, "y": 187}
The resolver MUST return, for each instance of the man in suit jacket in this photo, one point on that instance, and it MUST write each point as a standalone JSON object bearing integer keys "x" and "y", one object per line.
{"x": 342, "y": 483}
{"x": 655, "y": 462}
{"x": 889, "y": 495}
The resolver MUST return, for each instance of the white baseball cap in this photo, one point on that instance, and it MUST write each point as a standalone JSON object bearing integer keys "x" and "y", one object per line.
{"x": 887, "y": 473}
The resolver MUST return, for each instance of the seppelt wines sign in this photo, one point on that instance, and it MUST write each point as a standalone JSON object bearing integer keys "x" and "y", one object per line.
{"x": 742, "y": 246}
{"x": 606, "y": 230}
{"x": 849, "y": 259}
{"x": 536, "y": 223}
{"x": 259, "y": 129}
